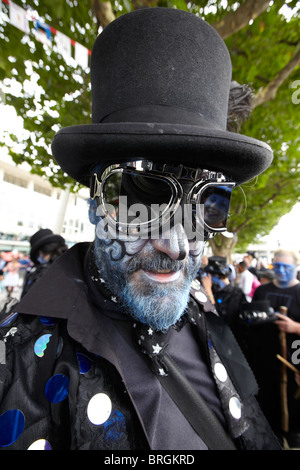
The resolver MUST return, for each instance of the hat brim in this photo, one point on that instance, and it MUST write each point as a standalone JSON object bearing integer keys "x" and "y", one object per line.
{"x": 78, "y": 148}
{"x": 43, "y": 241}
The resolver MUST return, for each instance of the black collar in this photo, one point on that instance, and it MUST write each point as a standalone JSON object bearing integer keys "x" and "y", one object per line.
{"x": 56, "y": 293}
{"x": 62, "y": 293}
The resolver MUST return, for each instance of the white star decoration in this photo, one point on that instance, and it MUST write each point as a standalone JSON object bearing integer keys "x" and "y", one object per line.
{"x": 150, "y": 332}
{"x": 156, "y": 349}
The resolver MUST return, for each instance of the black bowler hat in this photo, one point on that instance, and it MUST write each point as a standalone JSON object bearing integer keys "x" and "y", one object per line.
{"x": 160, "y": 85}
{"x": 218, "y": 265}
{"x": 41, "y": 238}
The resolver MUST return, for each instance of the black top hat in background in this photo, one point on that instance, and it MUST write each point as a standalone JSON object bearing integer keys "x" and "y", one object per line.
{"x": 160, "y": 86}
{"x": 218, "y": 265}
{"x": 41, "y": 238}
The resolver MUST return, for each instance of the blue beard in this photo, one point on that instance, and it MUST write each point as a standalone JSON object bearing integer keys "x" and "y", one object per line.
{"x": 160, "y": 308}
{"x": 156, "y": 305}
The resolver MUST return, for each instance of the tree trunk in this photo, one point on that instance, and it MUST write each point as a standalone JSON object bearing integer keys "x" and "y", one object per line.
{"x": 238, "y": 19}
{"x": 103, "y": 12}
{"x": 223, "y": 246}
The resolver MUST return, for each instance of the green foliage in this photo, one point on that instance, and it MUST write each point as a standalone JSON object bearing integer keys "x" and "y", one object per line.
{"x": 259, "y": 51}
{"x": 267, "y": 46}
{"x": 63, "y": 96}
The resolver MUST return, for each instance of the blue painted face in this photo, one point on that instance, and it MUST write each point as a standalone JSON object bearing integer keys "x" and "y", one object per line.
{"x": 284, "y": 272}
{"x": 218, "y": 281}
{"x": 150, "y": 278}
{"x": 42, "y": 260}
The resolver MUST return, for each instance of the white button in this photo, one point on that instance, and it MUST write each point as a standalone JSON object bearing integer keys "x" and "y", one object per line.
{"x": 220, "y": 372}
{"x": 40, "y": 444}
{"x": 235, "y": 407}
{"x": 99, "y": 408}
{"x": 200, "y": 296}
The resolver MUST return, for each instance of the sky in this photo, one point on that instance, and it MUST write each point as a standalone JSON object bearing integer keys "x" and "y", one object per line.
{"x": 286, "y": 234}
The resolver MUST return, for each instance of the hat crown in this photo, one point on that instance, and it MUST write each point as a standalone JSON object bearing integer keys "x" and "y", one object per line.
{"x": 39, "y": 235}
{"x": 160, "y": 65}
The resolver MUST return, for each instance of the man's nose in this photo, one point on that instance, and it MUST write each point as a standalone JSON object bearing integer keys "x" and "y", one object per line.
{"x": 281, "y": 270}
{"x": 173, "y": 242}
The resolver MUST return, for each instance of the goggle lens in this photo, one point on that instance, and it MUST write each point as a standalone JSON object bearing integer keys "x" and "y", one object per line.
{"x": 213, "y": 202}
{"x": 145, "y": 198}
{"x": 123, "y": 190}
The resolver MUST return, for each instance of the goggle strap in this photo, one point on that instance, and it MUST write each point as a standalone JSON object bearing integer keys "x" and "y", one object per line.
{"x": 95, "y": 187}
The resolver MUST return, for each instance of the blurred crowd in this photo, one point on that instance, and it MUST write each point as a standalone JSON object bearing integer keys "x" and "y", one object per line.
{"x": 261, "y": 304}
{"x": 19, "y": 271}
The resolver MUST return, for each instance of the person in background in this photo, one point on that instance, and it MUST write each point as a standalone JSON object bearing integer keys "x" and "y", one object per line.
{"x": 46, "y": 247}
{"x": 227, "y": 298}
{"x": 264, "y": 343}
{"x": 11, "y": 274}
{"x": 251, "y": 261}
{"x": 265, "y": 276}
{"x": 245, "y": 280}
{"x": 1, "y": 280}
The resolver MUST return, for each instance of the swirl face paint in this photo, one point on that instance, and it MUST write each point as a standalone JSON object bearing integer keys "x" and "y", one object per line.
{"x": 150, "y": 278}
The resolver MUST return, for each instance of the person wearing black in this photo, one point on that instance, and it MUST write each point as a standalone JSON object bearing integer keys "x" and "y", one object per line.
{"x": 46, "y": 247}
{"x": 264, "y": 345}
{"x": 117, "y": 347}
{"x": 228, "y": 298}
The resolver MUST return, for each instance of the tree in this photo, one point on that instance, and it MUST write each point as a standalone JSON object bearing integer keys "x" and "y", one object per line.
{"x": 265, "y": 49}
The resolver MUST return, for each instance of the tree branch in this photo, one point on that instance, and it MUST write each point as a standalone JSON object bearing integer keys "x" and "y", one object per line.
{"x": 279, "y": 187}
{"x": 237, "y": 20}
{"x": 144, "y": 3}
{"x": 103, "y": 12}
{"x": 269, "y": 92}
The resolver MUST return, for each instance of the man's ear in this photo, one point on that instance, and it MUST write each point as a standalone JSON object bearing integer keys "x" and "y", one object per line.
{"x": 93, "y": 211}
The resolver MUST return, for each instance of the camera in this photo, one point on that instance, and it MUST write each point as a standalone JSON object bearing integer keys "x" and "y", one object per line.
{"x": 257, "y": 313}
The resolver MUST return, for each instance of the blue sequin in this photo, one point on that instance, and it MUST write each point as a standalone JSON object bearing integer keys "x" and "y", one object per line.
{"x": 84, "y": 363}
{"x": 12, "y": 424}
{"x": 57, "y": 388}
{"x": 41, "y": 345}
{"x": 59, "y": 348}
{"x": 48, "y": 320}
{"x": 114, "y": 426}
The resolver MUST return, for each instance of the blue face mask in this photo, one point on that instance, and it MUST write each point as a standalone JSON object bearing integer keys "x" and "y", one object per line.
{"x": 284, "y": 273}
{"x": 157, "y": 305}
{"x": 218, "y": 281}
{"x": 41, "y": 260}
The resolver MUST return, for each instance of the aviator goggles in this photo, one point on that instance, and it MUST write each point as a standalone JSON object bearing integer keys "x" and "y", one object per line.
{"x": 157, "y": 192}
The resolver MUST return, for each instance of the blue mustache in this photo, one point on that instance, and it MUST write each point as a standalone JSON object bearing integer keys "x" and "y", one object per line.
{"x": 158, "y": 262}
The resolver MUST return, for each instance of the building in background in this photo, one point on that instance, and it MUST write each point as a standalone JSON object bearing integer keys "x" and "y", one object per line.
{"x": 28, "y": 202}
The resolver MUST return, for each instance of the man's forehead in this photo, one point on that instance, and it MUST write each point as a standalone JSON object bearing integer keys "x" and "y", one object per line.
{"x": 285, "y": 259}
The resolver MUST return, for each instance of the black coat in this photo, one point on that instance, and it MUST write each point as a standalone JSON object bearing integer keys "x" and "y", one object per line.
{"x": 47, "y": 382}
